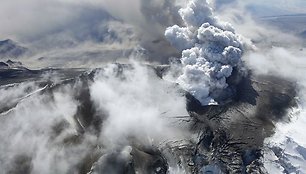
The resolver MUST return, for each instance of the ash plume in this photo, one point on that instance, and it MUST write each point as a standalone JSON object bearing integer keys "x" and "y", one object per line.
{"x": 210, "y": 51}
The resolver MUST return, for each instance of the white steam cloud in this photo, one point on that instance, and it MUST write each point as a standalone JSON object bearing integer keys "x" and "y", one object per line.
{"x": 29, "y": 142}
{"x": 138, "y": 105}
{"x": 40, "y": 133}
{"x": 210, "y": 51}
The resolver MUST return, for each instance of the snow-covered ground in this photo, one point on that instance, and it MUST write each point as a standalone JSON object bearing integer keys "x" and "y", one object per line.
{"x": 286, "y": 149}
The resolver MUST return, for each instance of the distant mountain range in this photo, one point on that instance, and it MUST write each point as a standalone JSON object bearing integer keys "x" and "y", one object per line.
{"x": 10, "y": 49}
{"x": 10, "y": 64}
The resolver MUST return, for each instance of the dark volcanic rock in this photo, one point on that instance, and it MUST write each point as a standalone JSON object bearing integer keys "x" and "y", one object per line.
{"x": 3, "y": 65}
{"x": 11, "y": 64}
{"x": 233, "y": 134}
{"x": 131, "y": 160}
{"x": 21, "y": 165}
{"x": 14, "y": 64}
{"x": 230, "y": 136}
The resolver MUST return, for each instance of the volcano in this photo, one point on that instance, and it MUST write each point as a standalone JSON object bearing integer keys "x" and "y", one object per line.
{"x": 152, "y": 87}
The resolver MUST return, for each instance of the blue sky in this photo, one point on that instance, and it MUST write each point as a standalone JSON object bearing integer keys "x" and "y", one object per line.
{"x": 271, "y": 7}
{"x": 293, "y": 6}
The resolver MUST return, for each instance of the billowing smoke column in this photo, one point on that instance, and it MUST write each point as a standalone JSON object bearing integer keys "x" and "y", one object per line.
{"x": 210, "y": 51}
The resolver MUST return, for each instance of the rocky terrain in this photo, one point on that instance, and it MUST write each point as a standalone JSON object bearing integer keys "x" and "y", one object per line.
{"x": 228, "y": 138}
{"x": 152, "y": 87}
